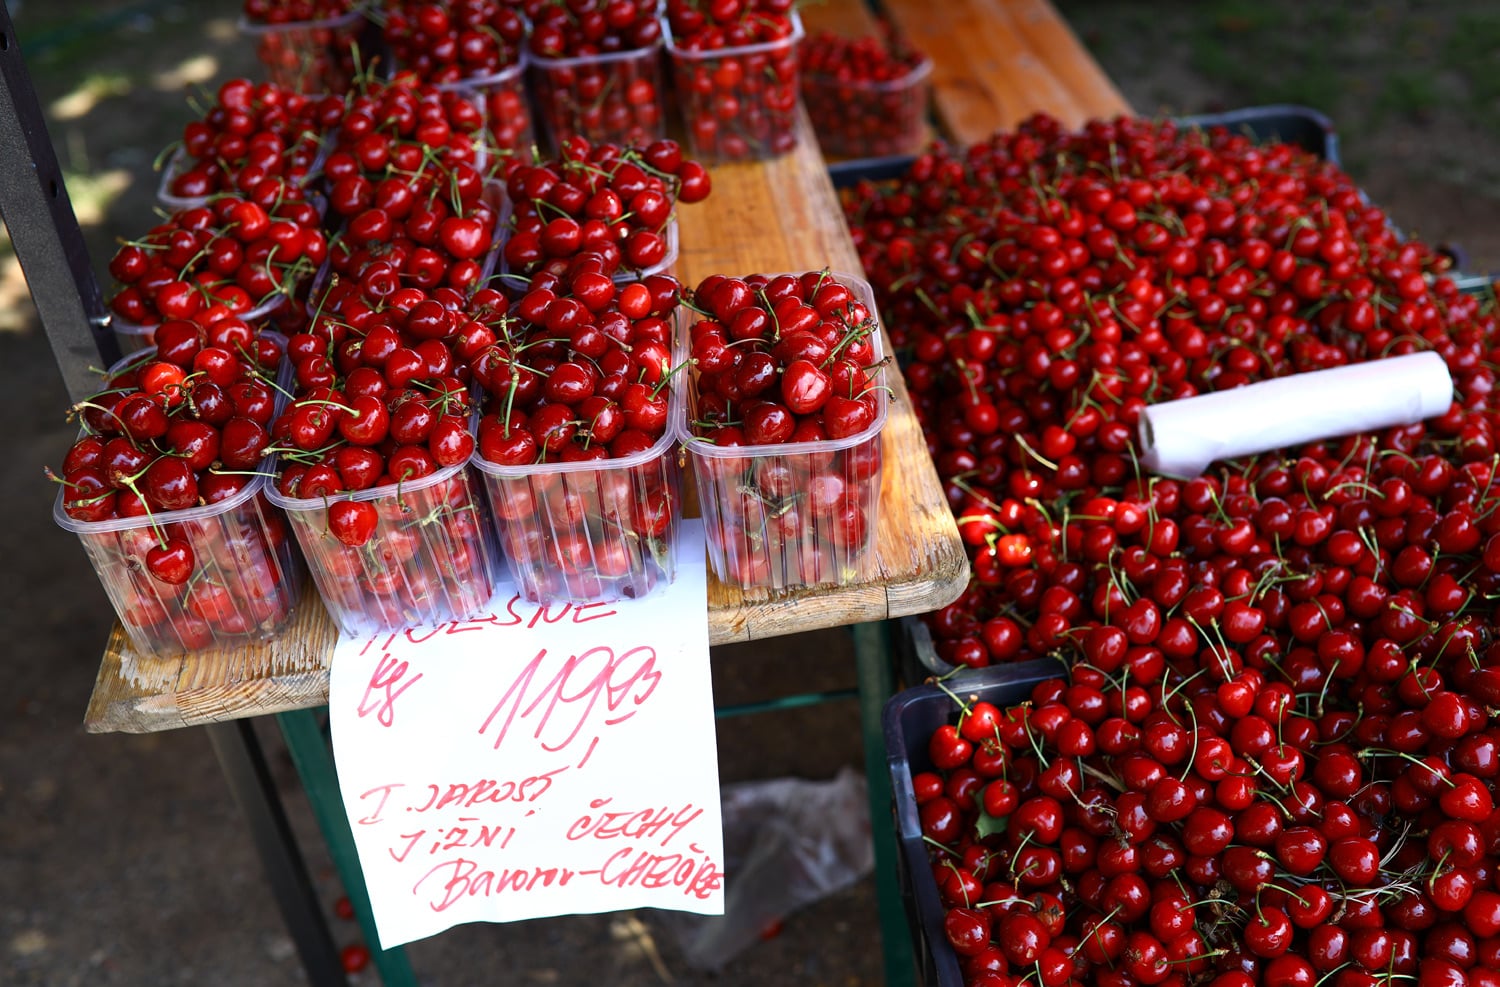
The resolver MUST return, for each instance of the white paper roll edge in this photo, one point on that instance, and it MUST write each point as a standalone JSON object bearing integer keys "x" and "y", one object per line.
{"x": 1180, "y": 438}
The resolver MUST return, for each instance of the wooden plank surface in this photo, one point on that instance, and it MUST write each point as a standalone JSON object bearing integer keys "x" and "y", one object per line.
{"x": 996, "y": 62}
{"x": 781, "y": 215}
{"x": 141, "y": 694}
{"x": 850, "y": 18}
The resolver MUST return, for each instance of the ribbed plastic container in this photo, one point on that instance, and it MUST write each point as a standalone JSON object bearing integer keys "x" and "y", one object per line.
{"x": 740, "y": 103}
{"x": 246, "y": 576}
{"x": 308, "y": 56}
{"x": 518, "y": 282}
{"x": 590, "y": 531}
{"x": 507, "y": 110}
{"x": 910, "y": 718}
{"x": 134, "y": 337}
{"x": 615, "y": 97}
{"x": 244, "y": 585}
{"x": 796, "y": 514}
{"x": 429, "y": 561}
{"x": 862, "y": 119}
{"x": 179, "y": 162}
{"x": 581, "y": 531}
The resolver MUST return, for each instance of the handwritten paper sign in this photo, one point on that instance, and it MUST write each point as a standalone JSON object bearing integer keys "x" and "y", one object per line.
{"x": 537, "y": 761}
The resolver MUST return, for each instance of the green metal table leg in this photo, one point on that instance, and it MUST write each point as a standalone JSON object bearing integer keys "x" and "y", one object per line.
{"x": 314, "y": 760}
{"x": 872, "y": 653}
{"x": 784, "y": 702}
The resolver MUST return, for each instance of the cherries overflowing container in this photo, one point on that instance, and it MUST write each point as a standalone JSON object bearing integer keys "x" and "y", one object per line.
{"x": 802, "y": 509}
{"x": 135, "y": 338}
{"x": 308, "y": 56}
{"x": 612, "y": 97}
{"x": 738, "y": 103}
{"x": 218, "y": 574}
{"x": 575, "y": 442}
{"x": 423, "y": 554}
{"x": 909, "y": 721}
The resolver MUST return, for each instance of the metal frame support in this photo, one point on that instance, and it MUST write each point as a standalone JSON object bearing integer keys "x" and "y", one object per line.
{"x": 314, "y": 760}
{"x": 44, "y": 230}
{"x": 872, "y": 654}
{"x": 244, "y": 766}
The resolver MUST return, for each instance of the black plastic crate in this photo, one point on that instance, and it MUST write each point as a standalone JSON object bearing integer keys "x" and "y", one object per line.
{"x": 1289, "y": 124}
{"x": 909, "y": 720}
{"x": 1300, "y": 125}
{"x": 918, "y": 653}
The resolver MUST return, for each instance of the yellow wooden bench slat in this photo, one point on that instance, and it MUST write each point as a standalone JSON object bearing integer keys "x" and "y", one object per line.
{"x": 996, "y": 62}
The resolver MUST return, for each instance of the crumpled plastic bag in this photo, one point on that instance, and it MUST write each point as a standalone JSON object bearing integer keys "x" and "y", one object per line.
{"x": 788, "y": 842}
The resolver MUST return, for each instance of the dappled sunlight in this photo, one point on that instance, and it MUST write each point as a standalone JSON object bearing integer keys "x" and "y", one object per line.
{"x": 221, "y": 30}
{"x": 198, "y": 69}
{"x": 635, "y": 942}
{"x": 17, "y": 313}
{"x": 89, "y": 94}
{"x": 92, "y": 194}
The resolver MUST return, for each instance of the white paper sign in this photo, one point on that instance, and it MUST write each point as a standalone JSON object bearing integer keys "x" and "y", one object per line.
{"x": 541, "y": 761}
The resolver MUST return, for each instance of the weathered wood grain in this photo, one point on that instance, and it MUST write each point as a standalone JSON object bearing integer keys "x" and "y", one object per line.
{"x": 996, "y": 62}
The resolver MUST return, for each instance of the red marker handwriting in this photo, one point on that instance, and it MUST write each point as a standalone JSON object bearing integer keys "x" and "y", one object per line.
{"x": 632, "y": 825}
{"x": 568, "y": 701}
{"x": 483, "y": 835}
{"x": 452, "y": 881}
{"x": 518, "y": 613}
{"x": 388, "y": 674}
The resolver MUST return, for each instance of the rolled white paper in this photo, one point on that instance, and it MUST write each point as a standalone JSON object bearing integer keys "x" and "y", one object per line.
{"x": 1180, "y": 438}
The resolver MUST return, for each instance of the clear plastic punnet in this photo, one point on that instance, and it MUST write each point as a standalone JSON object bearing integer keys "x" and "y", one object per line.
{"x": 245, "y": 578}
{"x": 181, "y": 162}
{"x": 857, "y": 118}
{"x": 134, "y": 337}
{"x": 428, "y": 561}
{"x": 615, "y": 97}
{"x": 244, "y": 586}
{"x": 507, "y": 110}
{"x": 584, "y": 531}
{"x": 518, "y": 282}
{"x": 739, "y": 103}
{"x": 308, "y": 56}
{"x": 793, "y": 514}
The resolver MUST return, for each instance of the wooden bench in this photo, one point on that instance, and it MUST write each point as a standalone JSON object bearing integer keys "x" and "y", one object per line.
{"x": 996, "y": 62}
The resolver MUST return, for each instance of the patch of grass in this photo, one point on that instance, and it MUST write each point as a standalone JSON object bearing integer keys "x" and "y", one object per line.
{"x": 1313, "y": 83}
{"x": 95, "y": 88}
{"x": 1266, "y": 54}
{"x": 1471, "y": 52}
{"x": 1411, "y": 94}
{"x": 1237, "y": 17}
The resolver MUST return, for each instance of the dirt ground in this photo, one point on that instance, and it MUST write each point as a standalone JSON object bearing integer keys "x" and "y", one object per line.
{"x": 123, "y": 860}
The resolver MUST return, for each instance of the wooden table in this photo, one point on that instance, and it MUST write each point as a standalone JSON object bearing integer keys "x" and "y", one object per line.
{"x": 996, "y": 62}
{"x": 780, "y": 215}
